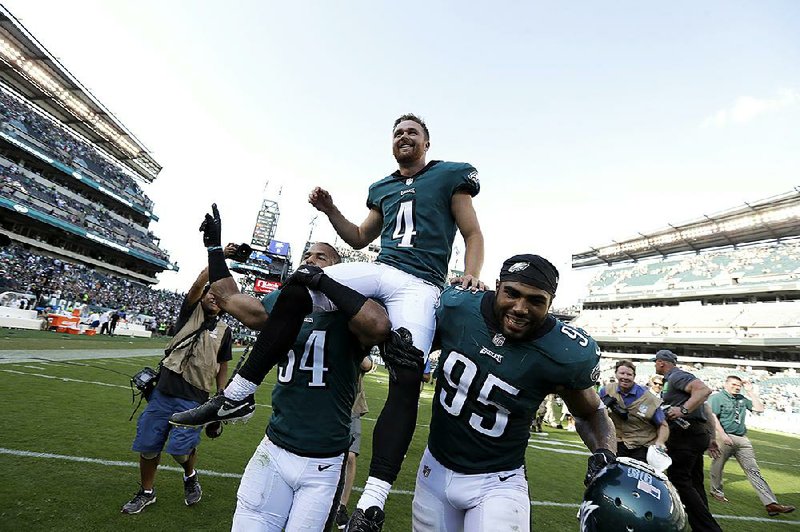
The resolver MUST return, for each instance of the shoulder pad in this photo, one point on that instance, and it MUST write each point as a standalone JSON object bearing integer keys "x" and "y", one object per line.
{"x": 569, "y": 344}
{"x": 452, "y": 296}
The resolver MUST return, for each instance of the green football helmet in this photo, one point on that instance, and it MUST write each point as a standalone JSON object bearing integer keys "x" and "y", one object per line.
{"x": 630, "y": 496}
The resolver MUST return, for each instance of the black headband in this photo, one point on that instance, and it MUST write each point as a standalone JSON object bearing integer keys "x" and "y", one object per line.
{"x": 531, "y": 269}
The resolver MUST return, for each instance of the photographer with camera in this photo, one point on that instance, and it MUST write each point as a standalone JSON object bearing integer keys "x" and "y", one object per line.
{"x": 637, "y": 416}
{"x": 195, "y": 360}
{"x": 686, "y": 395}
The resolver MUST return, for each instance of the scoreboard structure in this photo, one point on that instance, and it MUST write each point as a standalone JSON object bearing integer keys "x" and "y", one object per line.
{"x": 270, "y": 262}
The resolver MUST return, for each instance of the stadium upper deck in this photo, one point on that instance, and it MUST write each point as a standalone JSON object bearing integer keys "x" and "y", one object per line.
{"x": 772, "y": 218}
{"x": 726, "y": 285}
{"x": 70, "y": 169}
{"x": 31, "y": 70}
{"x": 733, "y": 274}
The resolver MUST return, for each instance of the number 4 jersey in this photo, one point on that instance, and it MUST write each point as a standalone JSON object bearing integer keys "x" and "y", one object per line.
{"x": 316, "y": 386}
{"x": 488, "y": 387}
{"x": 418, "y": 225}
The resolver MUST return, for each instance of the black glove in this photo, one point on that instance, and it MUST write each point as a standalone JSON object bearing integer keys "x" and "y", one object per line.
{"x": 214, "y": 430}
{"x": 212, "y": 228}
{"x": 599, "y": 460}
{"x": 306, "y": 275}
{"x": 399, "y": 352}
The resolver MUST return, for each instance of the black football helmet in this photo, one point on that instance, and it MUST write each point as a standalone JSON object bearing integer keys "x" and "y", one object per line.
{"x": 630, "y": 496}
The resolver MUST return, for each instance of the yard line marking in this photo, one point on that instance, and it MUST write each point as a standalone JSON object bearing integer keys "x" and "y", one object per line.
{"x": 778, "y": 463}
{"x": 558, "y": 443}
{"x": 65, "y": 379}
{"x": 560, "y": 451}
{"x": 210, "y": 473}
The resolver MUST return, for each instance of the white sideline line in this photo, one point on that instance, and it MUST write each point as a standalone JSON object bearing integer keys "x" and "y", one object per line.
{"x": 206, "y": 472}
{"x": 560, "y": 451}
{"x": 558, "y": 443}
{"x": 98, "y": 461}
{"x": 778, "y": 463}
{"x": 65, "y": 379}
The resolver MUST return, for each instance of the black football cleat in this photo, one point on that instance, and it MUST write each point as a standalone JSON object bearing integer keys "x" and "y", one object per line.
{"x": 369, "y": 520}
{"x": 218, "y": 408}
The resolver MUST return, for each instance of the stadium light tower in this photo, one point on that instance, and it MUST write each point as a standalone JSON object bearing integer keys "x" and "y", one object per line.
{"x": 266, "y": 221}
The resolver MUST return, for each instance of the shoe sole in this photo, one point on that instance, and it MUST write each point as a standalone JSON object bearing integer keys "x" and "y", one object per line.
{"x": 773, "y": 514}
{"x": 243, "y": 419}
{"x": 148, "y": 503}
{"x": 195, "y": 502}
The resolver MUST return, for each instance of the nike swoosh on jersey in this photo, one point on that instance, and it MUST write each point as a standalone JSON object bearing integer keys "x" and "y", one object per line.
{"x": 323, "y": 468}
{"x": 224, "y": 412}
{"x": 503, "y": 479}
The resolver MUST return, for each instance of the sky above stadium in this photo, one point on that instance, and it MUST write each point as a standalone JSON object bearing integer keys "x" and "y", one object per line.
{"x": 588, "y": 122}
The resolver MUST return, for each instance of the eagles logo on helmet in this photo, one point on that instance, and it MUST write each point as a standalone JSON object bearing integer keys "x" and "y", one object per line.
{"x": 630, "y": 495}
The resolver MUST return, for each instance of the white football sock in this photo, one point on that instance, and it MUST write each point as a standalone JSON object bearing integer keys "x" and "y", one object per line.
{"x": 239, "y": 388}
{"x": 375, "y": 493}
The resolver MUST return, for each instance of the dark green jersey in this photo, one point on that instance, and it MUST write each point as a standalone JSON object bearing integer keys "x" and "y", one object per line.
{"x": 418, "y": 225}
{"x": 316, "y": 386}
{"x": 489, "y": 387}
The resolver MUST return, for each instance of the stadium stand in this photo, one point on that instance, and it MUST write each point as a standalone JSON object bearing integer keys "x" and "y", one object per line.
{"x": 743, "y": 299}
{"x": 712, "y": 271}
{"x": 23, "y": 123}
{"x": 34, "y": 191}
{"x": 70, "y": 171}
{"x": 53, "y": 285}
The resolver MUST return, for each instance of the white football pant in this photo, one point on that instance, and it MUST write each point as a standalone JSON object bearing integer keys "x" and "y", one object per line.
{"x": 446, "y": 501}
{"x": 281, "y": 490}
{"x": 410, "y": 302}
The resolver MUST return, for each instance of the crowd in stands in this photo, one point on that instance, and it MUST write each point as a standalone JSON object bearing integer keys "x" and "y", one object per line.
{"x": 32, "y": 190}
{"x": 349, "y": 254}
{"x": 779, "y": 319}
{"x": 61, "y": 286}
{"x": 20, "y": 119}
{"x": 713, "y": 269}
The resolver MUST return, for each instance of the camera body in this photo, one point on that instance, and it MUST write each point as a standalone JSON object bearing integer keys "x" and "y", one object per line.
{"x": 613, "y": 405}
{"x": 145, "y": 381}
{"x": 242, "y": 253}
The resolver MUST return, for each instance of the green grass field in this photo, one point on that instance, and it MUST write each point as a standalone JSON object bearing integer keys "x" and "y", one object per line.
{"x": 13, "y": 339}
{"x": 67, "y": 465}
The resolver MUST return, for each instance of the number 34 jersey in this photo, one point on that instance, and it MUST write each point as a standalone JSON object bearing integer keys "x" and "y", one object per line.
{"x": 489, "y": 387}
{"x": 316, "y": 386}
{"x": 418, "y": 224}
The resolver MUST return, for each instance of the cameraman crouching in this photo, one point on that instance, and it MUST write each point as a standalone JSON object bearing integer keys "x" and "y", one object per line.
{"x": 637, "y": 416}
{"x": 196, "y": 358}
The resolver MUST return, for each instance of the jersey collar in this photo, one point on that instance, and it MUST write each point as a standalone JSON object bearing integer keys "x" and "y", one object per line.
{"x": 396, "y": 174}
{"x": 487, "y": 310}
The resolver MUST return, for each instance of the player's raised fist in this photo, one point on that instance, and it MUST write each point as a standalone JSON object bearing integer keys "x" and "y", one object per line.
{"x": 321, "y": 200}
{"x": 212, "y": 228}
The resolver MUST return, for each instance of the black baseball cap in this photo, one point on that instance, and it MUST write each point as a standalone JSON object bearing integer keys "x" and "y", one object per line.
{"x": 666, "y": 355}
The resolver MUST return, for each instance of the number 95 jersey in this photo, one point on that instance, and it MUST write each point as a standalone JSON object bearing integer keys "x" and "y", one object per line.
{"x": 489, "y": 387}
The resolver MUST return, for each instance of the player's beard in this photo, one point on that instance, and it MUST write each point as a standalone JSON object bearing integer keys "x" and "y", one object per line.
{"x": 404, "y": 158}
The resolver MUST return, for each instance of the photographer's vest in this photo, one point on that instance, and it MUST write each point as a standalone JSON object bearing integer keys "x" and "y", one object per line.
{"x": 193, "y": 351}
{"x": 637, "y": 430}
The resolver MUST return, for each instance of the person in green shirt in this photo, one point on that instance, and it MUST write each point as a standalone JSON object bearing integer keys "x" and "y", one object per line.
{"x": 731, "y": 406}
